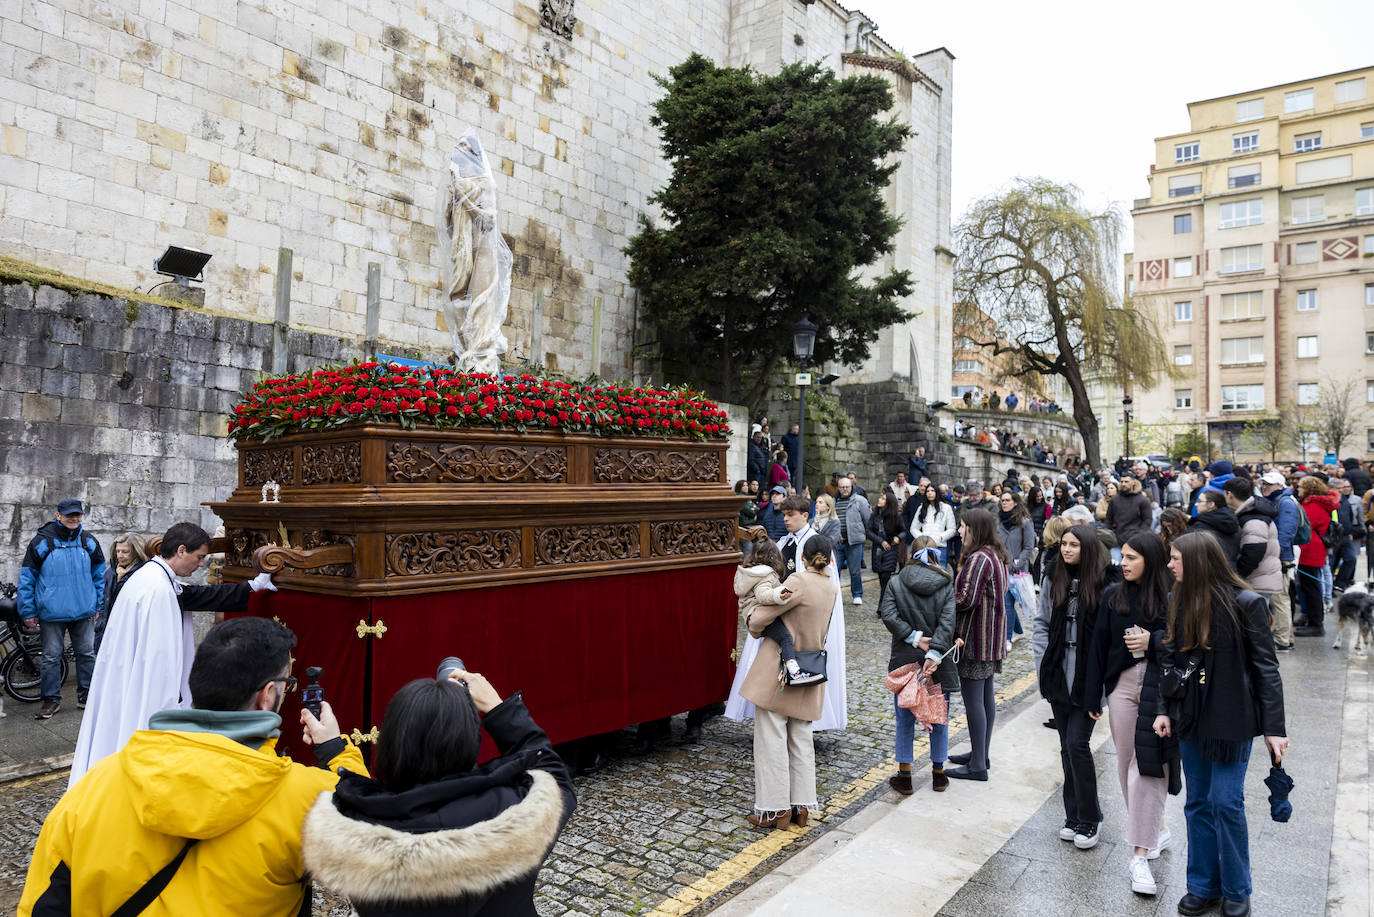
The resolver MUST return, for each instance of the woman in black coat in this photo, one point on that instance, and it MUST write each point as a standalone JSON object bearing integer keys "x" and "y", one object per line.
{"x": 884, "y": 529}
{"x": 437, "y": 834}
{"x": 1220, "y": 630}
{"x": 919, "y": 612}
{"x": 1123, "y": 660}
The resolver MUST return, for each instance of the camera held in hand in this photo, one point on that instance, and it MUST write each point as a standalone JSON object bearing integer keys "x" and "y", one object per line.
{"x": 448, "y": 666}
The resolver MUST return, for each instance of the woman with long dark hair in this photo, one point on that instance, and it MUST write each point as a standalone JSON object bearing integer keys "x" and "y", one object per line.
{"x": 1063, "y": 499}
{"x": 885, "y": 531}
{"x": 935, "y": 520}
{"x": 1038, "y": 509}
{"x": 1017, "y": 534}
{"x": 980, "y": 591}
{"x": 1062, "y": 624}
{"x": 1218, "y": 630}
{"x": 1123, "y": 660}
{"x": 436, "y": 830}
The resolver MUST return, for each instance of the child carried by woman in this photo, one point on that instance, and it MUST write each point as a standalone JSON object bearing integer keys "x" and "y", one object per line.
{"x": 757, "y": 582}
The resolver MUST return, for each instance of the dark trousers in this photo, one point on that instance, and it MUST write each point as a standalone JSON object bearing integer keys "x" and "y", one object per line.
{"x": 1075, "y": 730}
{"x": 1310, "y": 588}
{"x": 980, "y": 707}
{"x": 1343, "y": 563}
{"x": 779, "y": 634}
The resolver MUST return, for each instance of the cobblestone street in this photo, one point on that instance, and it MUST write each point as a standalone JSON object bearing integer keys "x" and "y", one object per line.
{"x": 647, "y": 829}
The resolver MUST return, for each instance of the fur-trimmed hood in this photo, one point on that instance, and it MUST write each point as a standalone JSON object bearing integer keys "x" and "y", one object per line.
{"x": 379, "y": 865}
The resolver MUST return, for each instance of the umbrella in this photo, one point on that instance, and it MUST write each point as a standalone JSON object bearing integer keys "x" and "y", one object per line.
{"x": 1280, "y": 785}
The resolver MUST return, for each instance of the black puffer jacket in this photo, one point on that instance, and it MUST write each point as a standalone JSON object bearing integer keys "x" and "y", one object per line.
{"x": 471, "y": 844}
{"x": 1222, "y": 524}
{"x": 1108, "y": 658}
{"x": 921, "y": 598}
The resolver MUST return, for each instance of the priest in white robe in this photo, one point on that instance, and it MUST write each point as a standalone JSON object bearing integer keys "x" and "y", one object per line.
{"x": 145, "y": 660}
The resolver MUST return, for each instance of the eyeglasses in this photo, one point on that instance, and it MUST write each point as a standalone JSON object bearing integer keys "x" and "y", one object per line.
{"x": 289, "y": 681}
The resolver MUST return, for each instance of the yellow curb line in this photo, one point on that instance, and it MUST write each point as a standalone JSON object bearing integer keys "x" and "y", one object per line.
{"x": 748, "y": 859}
{"x": 45, "y": 778}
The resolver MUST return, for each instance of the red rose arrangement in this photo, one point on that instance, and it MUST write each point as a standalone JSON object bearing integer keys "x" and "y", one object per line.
{"x": 372, "y": 392}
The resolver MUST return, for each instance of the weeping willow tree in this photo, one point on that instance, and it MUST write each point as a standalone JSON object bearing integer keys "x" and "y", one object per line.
{"x": 1043, "y": 268}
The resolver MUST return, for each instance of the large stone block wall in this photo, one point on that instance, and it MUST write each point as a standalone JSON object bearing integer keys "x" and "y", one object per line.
{"x": 122, "y": 404}
{"x": 323, "y": 127}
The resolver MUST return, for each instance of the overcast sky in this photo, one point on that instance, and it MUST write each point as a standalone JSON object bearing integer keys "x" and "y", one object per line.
{"x": 1077, "y": 91}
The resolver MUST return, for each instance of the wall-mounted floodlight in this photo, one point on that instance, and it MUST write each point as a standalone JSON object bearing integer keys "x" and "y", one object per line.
{"x": 182, "y": 264}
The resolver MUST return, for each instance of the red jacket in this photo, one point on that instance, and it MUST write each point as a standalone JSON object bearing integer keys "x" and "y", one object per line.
{"x": 1318, "y": 508}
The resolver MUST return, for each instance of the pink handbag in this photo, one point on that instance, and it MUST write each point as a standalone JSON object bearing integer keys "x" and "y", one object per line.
{"x": 917, "y": 693}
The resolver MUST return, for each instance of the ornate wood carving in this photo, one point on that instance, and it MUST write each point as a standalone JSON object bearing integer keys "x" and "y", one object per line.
{"x": 649, "y": 466}
{"x": 471, "y": 551}
{"x": 585, "y": 544}
{"x": 312, "y": 541}
{"x": 263, "y": 465}
{"x": 557, "y": 16}
{"x": 332, "y": 463}
{"x": 242, "y": 544}
{"x": 462, "y": 463}
{"x": 694, "y": 536}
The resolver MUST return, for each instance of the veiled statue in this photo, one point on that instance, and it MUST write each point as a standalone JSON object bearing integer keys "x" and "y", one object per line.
{"x": 475, "y": 260}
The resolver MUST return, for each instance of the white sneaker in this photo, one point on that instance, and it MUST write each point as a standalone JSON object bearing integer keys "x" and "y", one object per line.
{"x": 858, "y": 600}
{"x": 1165, "y": 839}
{"x": 1067, "y": 832}
{"x": 1142, "y": 881}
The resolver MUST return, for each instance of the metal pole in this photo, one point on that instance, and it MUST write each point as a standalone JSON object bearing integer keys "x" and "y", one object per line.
{"x": 280, "y": 326}
{"x": 374, "y": 306}
{"x": 801, "y": 437}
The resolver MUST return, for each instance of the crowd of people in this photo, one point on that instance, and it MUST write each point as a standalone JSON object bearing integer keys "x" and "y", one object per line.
{"x": 974, "y": 397}
{"x": 1140, "y": 584}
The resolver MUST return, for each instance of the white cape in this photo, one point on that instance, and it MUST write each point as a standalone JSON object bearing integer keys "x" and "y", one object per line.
{"x": 144, "y": 665}
{"x": 835, "y": 712}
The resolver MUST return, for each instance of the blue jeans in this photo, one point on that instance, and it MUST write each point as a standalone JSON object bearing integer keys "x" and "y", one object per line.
{"x": 53, "y": 634}
{"x": 1013, "y": 619}
{"x": 903, "y": 746}
{"x": 854, "y": 555}
{"x": 1218, "y": 837}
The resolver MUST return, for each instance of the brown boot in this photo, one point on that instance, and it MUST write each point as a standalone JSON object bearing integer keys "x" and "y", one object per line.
{"x": 938, "y": 780}
{"x": 780, "y": 820}
{"x": 800, "y": 816}
{"x": 901, "y": 782}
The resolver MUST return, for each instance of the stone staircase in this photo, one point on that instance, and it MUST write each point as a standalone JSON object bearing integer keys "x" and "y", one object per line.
{"x": 889, "y": 421}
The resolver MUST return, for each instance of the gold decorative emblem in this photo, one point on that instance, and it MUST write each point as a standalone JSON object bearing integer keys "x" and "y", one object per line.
{"x": 377, "y": 630}
{"x": 359, "y": 737}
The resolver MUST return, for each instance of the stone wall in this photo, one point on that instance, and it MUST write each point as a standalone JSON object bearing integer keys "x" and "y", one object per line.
{"x": 122, "y": 404}
{"x": 324, "y": 127}
{"x": 1054, "y": 431}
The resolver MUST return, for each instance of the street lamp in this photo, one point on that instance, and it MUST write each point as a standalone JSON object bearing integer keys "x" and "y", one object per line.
{"x": 803, "y": 345}
{"x": 1127, "y": 402}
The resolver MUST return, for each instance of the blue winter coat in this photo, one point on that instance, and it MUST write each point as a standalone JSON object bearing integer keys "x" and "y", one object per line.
{"x": 1287, "y": 522}
{"x": 63, "y": 575}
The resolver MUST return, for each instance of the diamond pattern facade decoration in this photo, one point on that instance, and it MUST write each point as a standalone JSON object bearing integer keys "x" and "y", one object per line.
{"x": 1340, "y": 249}
{"x": 1154, "y": 270}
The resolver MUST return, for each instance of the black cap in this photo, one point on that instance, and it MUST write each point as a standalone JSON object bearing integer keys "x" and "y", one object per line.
{"x": 69, "y": 506}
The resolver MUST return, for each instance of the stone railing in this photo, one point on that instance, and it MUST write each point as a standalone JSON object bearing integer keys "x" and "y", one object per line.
{"x": 1058, "y": 432}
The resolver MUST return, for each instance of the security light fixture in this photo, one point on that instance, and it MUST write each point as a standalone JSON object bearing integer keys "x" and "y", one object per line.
{"x": 827, "y": 379}
{"x": 804, "y": 339}
{"x": 183, "y": 265}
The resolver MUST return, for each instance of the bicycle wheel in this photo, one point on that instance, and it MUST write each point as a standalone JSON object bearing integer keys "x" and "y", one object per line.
{"x": 21, "y": 677}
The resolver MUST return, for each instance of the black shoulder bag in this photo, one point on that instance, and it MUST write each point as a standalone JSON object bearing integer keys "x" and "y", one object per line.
{"x": 138, "y": 902}
{"x": 1173, "y": 679}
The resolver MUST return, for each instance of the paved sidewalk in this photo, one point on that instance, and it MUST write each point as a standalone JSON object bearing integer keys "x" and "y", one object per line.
{"x": 993, "y": 849}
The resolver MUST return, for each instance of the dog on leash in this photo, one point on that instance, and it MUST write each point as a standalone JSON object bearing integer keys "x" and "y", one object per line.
{"x": 1356, "y": 605}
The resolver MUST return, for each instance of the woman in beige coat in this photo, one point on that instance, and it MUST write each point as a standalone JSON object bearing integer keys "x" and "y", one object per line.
{"x": 784, "y": 757}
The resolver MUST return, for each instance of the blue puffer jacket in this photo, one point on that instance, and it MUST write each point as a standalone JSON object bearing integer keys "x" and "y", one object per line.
{"x": 63, "y": 575}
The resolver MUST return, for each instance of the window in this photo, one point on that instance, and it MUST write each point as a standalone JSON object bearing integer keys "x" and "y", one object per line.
{"x": 963, "y": 343}
{"x": 1242, "y": 305}
{"x": 1367, "y": 130}
{"x": 1305, "y": 253}
{"x": 1369, "y": 439}
{"x": 1183, "y": 222}
{"x": 1311, "y": 209}
{"x": 1183, "y": 185}
{"x": 1369, "y": 245}
{"x": 1369, "y": 343}
{"x": 1308, "y": 392}
{"x": 1369, "y": 294}
{"x": 1242, "y": 397}
{"x": 1242, "y": 350}
{"x": 1187, "y": 152}
{"x": 1306, "y": 143}
{"x": 1298, "y": 100}
{"x": 1350, "y": 90}
{"x": 1369, "y": 390}
{"x": 967, "y": 366}
{"x": 1243, "y": 176}
{"x": 1242, "y": 213}
{"x": 1183, "y": 311}
{"x": 1183, "y": 267}
{"x": 1251, "y": 110}
{"x": 1307, "y": 347}
{"x": 1364, "y": 203}
{"x": 1245, "y": 143}
{"x": 1183, "y": 354}
{"x": 1307, "y": 300}
{"x": 1241, "y": 258}
{"x": 1324, "y": 169}
{"x": 1183, "y": 399}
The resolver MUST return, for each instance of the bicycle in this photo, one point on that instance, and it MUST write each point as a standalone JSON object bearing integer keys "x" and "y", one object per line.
{"x": 22, "y": 652}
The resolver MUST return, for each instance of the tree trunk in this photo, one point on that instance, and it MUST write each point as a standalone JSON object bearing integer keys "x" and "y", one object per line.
{"x": 759, "y": 392}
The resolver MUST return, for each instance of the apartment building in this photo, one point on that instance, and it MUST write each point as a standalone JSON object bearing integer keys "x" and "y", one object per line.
{"x": 1255, "y": 248}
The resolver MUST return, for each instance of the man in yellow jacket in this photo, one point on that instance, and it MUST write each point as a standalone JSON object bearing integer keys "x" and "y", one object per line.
{"x": 197, "y": 814}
